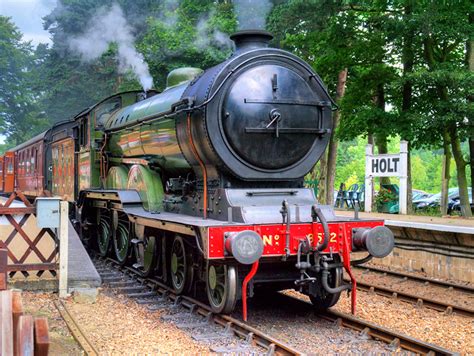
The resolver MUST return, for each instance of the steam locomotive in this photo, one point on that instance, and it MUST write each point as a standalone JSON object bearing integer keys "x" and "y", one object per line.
{"x": 202, "y": 184}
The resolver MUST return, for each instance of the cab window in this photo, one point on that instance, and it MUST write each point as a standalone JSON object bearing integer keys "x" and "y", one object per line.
{"x": 83, "y": 133}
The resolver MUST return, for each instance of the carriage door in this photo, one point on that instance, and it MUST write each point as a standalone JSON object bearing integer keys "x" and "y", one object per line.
{"x": 9, "y": 172}
{"x": 63, "y": 168}
{"x": 1, "y": 173}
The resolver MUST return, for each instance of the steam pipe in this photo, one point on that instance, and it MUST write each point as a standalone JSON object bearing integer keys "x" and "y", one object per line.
{"x": 329, "y": 289}
{"x": 362, "y": 260}
{"x": 317, "y": 213}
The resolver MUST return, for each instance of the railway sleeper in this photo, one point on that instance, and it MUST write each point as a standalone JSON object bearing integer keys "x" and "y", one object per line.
{"x": 129, "y": 290}
{"x": 108, "y": 280}
{"x": 148, "y": 300}
{"x": 142, "y": 295}
{"x": 122, "y": 283}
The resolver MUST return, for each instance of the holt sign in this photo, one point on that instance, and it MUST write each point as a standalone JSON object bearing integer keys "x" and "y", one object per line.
{"x": 385, "y": 166}
{"x": 389, "y": 165}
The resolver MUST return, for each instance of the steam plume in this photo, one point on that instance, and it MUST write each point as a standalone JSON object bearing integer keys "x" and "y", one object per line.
{"x": 252, "y": 14}
{"x": 108, "y": 26}
{"x": 207, "y": 35}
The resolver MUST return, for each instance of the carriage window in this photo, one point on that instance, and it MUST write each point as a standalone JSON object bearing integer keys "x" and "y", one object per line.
{"x": 9, "y": 165}
{"x": 36, "y": 157}
{"x": 83, "y": 134}
{"x": 33, "y": 161}
{"x": 27, "y": 161}
{"x": 21, "y": 162}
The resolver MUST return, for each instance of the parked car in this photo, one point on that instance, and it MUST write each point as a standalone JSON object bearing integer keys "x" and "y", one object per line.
{"x": 434, "y": 200}
{"x": 416, "y": 194}
{"x": 454, "y": 205}
{"x": 419, "y": 194}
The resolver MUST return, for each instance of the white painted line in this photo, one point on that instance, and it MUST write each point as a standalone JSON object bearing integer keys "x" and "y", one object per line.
{"x": 63, "y": 248}
{"x": 432, "y": 227}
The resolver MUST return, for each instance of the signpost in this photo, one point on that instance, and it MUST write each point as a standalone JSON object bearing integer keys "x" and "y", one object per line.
{"x": 387, "y": 165}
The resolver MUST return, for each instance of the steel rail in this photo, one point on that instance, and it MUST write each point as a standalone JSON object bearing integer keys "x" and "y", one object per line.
{"x": 394, "y": 338}
{"x": 75, "y": 330}
{"x": 239, "y": 328}
{"x": 407, "y": 276}
{"x": 391, "y": 337}
{"x": 448, "y": 308}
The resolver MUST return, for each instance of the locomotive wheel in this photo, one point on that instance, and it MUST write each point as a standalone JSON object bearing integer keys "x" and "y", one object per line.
{"x": 326, "y": 300}
{"x": 181, "y": 267}
{"x": 221, "y": 285}
{"x": 104, "y": 236}
{"x": 122, "y": 243}
{"x": 150, "y": 254}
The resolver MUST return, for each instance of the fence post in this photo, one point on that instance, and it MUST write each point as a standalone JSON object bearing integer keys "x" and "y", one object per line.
{"x": 369, "y": 152}
{"x": 403, "y": 193}
{"x": 63, "y": 248}
{"x": 3, "y": 268}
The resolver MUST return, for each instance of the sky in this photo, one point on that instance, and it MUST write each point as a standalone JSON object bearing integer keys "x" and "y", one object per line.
{"x": 27, "y": 16}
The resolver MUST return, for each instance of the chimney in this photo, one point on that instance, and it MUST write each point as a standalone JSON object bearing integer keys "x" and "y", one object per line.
{"x": 250, "y": 39}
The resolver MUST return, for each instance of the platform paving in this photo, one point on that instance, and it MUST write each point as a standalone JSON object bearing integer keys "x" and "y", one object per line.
{"x": 448, "y": 224}
{"x": 83, "y": 279}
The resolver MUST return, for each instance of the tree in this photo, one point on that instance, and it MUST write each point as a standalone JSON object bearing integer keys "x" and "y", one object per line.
{"x": 322, "y": 34}
{"x": 194, "y": 33}
{"x": 445, "y": 84}
{"x": 470, "y": 98}
{"x": 20, "y": 117}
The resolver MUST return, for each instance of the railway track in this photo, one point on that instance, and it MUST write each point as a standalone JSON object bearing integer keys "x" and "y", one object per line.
{"x": 75, "y": 329}
{"x": 420, "y": 301}
{"x": 154, "y": 293}
{"x": 424, "y": 280}
{"x": 391, "y": 337}
{"x": 189, "y": 313}
{"x": 446, "y": 307}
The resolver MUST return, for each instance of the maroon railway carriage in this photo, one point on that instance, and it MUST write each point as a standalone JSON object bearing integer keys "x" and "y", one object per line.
{"x": 29, "y": 166}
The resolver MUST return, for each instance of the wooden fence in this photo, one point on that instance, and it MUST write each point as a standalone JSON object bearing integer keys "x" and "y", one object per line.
{"x": 33, "y": 252}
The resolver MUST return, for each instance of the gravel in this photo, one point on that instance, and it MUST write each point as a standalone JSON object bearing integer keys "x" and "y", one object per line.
{"x": 295, "y": 324}
{"x": 452, "y": 332}
{"x": 41, "y": 305}
{"x": 117, "y": 325}
{"x": 429, "y": 291}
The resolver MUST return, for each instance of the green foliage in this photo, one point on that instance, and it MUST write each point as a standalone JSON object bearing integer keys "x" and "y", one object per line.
{"x": 426, "y": 165}
{"x": 194, "y": 34}
{"x": 351, "y": 162}
{"x": 387, "y": 47}
{"x": 20, "y": 117}
{"x": 384, "y": 196}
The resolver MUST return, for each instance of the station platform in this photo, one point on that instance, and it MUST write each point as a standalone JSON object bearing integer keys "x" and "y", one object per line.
{"x": 83, "y": 279}
{"x": 447, "y": 224}
{"x": 440, "y": 247}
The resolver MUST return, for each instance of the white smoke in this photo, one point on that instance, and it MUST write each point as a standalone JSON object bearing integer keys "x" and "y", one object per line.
{"x": 169, "y": 16}
{"x": 252, "y": 14}
{"x": 207, "y": 35}
{"x": 108, "y": 26}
